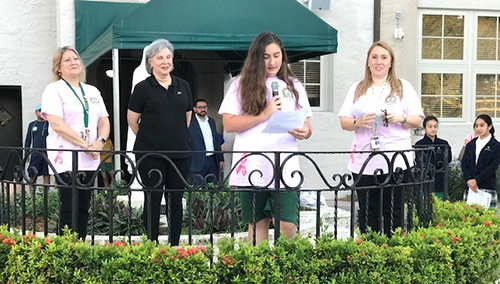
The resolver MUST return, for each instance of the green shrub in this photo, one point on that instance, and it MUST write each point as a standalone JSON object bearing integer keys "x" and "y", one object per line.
{"x": 456, "y": 182}
{"x": 201, "y": 220}
{"x": 459, "y": 246}
{"x": 52, "y": 209}
{"x": 122, "y": 222}
{"x": 221, "y": 207}
{"x": 65, "y": 260}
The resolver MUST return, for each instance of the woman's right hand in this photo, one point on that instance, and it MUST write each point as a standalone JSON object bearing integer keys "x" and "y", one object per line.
{"x": 365, "y": 121}
{"x": 472, "y": 184}
{"x": 273, "y": 106}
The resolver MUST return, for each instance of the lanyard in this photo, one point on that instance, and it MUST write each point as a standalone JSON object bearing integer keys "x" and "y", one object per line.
{"x": 85, "y": 103}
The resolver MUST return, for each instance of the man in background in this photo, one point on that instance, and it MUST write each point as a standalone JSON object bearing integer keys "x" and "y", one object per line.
{"x": 36, "y": 138}
{"x": 204, "y": 137}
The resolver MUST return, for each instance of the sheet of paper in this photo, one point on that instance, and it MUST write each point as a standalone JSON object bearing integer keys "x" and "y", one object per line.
{"x": 482, "y": 198}
{"x": 284, "y": 121}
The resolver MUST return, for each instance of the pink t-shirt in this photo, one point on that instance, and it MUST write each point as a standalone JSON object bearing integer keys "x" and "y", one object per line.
{"x": 254, "y": 140}
{"x": 392, "y": 137}
{"x": 59, "y": 100}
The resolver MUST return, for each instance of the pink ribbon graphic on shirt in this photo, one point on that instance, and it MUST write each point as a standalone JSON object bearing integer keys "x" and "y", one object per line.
{"x": 352, "y": 153}
{"x": 242, "y": 166}
{"x": 59, "y": 156}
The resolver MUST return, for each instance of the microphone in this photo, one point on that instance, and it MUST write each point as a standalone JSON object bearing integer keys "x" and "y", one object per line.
{"x": 274, "y": 88}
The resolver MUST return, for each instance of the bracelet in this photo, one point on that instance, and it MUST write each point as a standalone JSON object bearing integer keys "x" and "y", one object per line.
{"x": 355, "y": 123}
{"x": 102, "y": 140}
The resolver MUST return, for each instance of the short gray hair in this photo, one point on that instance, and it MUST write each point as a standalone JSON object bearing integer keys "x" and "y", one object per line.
{"x": 154, "y": 48}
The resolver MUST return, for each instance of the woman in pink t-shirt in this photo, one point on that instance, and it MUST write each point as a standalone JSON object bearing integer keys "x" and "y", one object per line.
{"x": 78, "y": 120}
{"x": 246, "y": 109}
{"x": 381, "y": 109}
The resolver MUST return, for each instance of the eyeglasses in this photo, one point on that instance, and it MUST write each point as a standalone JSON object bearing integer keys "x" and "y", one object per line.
{"x": 386, "y": 121}
{"x": 202, "y": 107}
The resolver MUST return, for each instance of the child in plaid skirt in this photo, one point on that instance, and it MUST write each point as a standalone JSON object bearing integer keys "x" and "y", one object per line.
{"x": 481, "y": 159}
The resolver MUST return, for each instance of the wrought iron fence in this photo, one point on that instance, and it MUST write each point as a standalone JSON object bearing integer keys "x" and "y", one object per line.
{"x": 412, "y": 187}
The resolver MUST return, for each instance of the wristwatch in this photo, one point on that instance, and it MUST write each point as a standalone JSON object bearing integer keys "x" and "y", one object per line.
{"x": 102, "y": 140}
{"x": 404, "y": 119}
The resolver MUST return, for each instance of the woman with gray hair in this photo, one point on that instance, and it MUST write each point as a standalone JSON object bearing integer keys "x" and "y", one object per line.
{"x": 159, "y": 113}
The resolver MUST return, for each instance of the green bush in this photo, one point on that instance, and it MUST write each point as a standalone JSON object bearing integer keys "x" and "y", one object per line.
{"x": 122, "y": 222}
{"x": 65, "y": 260}
{"x": 459, "y": 246}
{"x": 220, "y": 221}
{"x": 52, "y": 209}
{"x": 456, "y": 182}
{"x": 201, "y": 220}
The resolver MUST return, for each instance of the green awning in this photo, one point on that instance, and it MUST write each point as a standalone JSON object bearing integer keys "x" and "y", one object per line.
{"x": 224, "y": 26}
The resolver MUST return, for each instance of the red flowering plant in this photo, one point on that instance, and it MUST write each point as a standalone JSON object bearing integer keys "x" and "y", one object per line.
{"x": 460, "y": 214}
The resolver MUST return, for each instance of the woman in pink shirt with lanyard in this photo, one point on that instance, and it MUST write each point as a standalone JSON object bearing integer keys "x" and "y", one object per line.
{"x": 78, "y": 120}
{"x": 381, "y": 109}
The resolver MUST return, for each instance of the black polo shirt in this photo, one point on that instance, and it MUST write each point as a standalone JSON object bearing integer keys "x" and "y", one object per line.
{"x": 163, "y": 123}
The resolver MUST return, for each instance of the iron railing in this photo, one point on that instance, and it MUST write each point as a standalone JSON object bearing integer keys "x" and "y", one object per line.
{"x": 416, "y": 188}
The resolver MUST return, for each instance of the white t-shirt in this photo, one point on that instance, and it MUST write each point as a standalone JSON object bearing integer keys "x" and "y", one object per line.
{"x": 395, "y": 136}
{"x": 59, "y": 100}
{"x": 206, "y": 132}
{"x": 480, "y": 143}
{"x": 254, "y": 140}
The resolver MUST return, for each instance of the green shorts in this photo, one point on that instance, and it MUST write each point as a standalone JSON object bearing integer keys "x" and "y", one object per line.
{"x": 264, "y": 206}
{"x": 107, "y": 167}
{"x": 439, "y": 195}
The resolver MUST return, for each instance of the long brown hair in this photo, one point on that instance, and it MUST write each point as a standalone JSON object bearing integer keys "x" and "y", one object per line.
{"x": 252, "y": 85}
{"x": 56, "y": 63}
{"x": 392, "y": 78}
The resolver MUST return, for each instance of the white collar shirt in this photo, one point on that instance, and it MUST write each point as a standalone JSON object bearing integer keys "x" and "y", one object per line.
{"x": 480, "y": 143}
{"x": 206, "y": 131}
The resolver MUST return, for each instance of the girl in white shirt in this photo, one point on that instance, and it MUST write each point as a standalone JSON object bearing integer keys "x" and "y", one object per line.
{"x": 481, "y": 159}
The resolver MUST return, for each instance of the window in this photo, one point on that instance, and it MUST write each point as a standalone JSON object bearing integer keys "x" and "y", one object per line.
{"x": 487, "y": 94}
{"x": 443, "y": 63}
{"x": 487, "y": 38}
{"x": 309, "y": 73}
{"x": 458, "y": 65}
{"x": 442, "y": 94}
{"x": 442, "y": 36}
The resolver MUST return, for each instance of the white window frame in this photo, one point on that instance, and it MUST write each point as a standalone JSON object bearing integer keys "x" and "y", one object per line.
{"x": 469, "y": 66}
{"x": 480, "y": 71}
{"x": 447, "y": 66}
{"x": 474, "y": 41}
{"x": 466, "y": 37}
{"x": 448, "y": 70}
{"x": 323, "y": 69}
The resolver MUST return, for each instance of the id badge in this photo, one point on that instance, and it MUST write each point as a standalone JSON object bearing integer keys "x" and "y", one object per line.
{"x": 375, "y": 143}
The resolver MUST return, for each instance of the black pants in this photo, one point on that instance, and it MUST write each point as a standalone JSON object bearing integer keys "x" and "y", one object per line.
{"x": 65, "y": 205}
{"x": 369, "y": 204}
{"x": 210, "y": 167}
{"x": 170, "y": 179}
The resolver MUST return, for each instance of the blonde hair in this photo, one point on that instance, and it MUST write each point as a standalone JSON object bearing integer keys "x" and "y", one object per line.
{"x": 56, "y": 64}
{"x": 392, "y": 78}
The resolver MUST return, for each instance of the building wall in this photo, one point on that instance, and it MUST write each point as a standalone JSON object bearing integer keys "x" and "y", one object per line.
{"x": 406, "y": 51}
{"x": 28, "y": 36}
{"x": 354, "y": 22}
{"x": 52, "y": 25}
{"x": 33, "y": 29}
